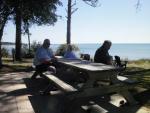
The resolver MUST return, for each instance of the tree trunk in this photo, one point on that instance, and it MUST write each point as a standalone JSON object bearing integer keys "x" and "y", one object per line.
{"x": 1, "y": 34}
{"x": 69, "y": 23}
{"x": 29, "y": 41}
{"x": 18, "y": 35}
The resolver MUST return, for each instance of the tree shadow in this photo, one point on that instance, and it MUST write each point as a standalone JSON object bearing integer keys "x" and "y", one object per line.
{"x": 135, "y": 70}
{"x": 16, "y": 68}
{"x": 139, "y": 74}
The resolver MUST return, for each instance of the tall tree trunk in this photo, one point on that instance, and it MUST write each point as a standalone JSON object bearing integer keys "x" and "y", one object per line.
{"x": 18, "y": 35}
{"x": 69, "y": 23}
{"x": 29, "y": 41}
{"x": 1, "y": 35}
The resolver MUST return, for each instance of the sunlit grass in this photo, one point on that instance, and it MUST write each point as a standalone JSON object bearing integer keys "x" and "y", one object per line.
{"x": 143, "y": 63}
{"x": 24, "y": 62}
{"x": 10, "y": 66}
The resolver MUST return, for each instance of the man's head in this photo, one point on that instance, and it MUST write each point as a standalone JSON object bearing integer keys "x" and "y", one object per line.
{"x": 46, "y": 43}
{"x": 107, "y": 44}
{"x": 69, "y": 47}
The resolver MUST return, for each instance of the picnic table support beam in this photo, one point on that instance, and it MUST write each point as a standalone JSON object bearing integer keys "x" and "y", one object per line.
{"x": 98, "y": 91}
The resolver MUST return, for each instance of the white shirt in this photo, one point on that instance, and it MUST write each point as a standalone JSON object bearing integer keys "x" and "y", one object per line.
{"x": 42, "y": 55}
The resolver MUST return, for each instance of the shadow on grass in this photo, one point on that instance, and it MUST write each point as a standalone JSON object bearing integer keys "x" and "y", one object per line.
{"x": 139, "y": 74}
{"x": 10, "y": 60}
{"x": 136, "y": 70}
{"x": 15, "y": 68}
{"x": 143, "y": 97}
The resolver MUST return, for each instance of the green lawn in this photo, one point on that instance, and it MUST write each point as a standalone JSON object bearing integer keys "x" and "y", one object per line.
{"x": 10, "y": 66}
{"x": 140, "y": 70}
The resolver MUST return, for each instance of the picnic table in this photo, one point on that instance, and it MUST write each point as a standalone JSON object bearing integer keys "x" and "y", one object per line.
{"x": 96, "y": 72}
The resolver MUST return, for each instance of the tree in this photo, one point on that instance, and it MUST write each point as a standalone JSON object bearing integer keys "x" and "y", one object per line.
{"x": 41, "y": 12}
{"x": 26, "y": 28}
{"x": 5, "y": 11}
{"x": 92, "y": 3}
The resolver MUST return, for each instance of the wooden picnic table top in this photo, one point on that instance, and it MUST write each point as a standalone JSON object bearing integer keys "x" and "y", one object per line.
{"x": 87, "y": 65}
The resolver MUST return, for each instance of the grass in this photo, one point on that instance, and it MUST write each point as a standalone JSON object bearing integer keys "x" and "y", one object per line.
{"x": 10, "y": 66}
{"x": 140, "y": 71}
{"x": 143, "y": 63}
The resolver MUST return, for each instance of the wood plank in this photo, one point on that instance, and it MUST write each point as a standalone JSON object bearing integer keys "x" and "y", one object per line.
{"x": 126, "y": 80}
{"x": 61, "y": 84}
{"x": 94, "y": 109}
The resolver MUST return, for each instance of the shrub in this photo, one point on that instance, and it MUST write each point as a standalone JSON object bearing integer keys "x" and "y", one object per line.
{"x": 5, "y": 52}
{"x": 33, "y": 48}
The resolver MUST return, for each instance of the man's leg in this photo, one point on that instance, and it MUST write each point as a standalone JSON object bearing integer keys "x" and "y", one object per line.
{"x": 52, "y": 69}
{"x": 34, "y": 75}
{"x": 39, "y": 70}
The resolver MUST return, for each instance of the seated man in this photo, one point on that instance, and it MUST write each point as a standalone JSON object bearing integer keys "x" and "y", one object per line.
{"x": 102, "y": 55}
{"x": 69, "y": 53}
{"x": 70, "y": 75}
{"x": 43, "y": 59}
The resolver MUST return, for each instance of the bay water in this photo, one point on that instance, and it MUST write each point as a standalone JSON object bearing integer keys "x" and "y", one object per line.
{"x": 125, "y": 51}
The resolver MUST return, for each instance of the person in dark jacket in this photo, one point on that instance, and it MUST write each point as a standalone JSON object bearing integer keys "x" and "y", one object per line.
{"x": 102, "y": 54}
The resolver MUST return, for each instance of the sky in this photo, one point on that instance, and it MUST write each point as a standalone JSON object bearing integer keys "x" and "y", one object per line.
{"x": 115, "y": 20}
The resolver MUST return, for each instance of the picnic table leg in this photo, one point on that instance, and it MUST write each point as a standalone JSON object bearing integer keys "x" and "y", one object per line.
{"x": 89, "y": 83}
{"x": 126, "y": 94}
{"x": 34, "y": 75}
{"x": 48, "y": 88}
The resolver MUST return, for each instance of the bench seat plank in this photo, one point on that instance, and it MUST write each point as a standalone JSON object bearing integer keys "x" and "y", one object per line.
{"x": 61, "y": 84}
{"x": 126, "y": 80}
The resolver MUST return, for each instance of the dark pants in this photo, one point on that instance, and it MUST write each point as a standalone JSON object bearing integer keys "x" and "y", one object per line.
{"x": 42, "y": 67}
{"x": 39, "y": 69}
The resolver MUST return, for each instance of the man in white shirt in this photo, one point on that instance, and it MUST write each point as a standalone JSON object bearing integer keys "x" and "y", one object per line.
{"x": 43, "y": 59}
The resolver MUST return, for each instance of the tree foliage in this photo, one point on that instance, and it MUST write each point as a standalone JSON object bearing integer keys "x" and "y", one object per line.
{"x": 28, "y": 12}
{"x": 5, "y": 11}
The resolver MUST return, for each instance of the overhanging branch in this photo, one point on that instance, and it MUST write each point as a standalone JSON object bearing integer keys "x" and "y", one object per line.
{"x": 93, "y": 3}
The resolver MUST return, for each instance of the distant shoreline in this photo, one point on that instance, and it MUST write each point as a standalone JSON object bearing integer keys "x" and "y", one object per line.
{"x": 13, "y": 43}
{"x": 7, "y": 43}
{"x": 10, "y": 43}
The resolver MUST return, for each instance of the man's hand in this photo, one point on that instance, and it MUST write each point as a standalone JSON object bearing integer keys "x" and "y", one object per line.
{"x": 54, "y": 60}
{"x": 47, "y": 62}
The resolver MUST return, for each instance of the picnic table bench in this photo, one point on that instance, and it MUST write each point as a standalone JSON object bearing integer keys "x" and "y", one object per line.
{"x": 127, "y": 80}
{"x": 62, "y": 85}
